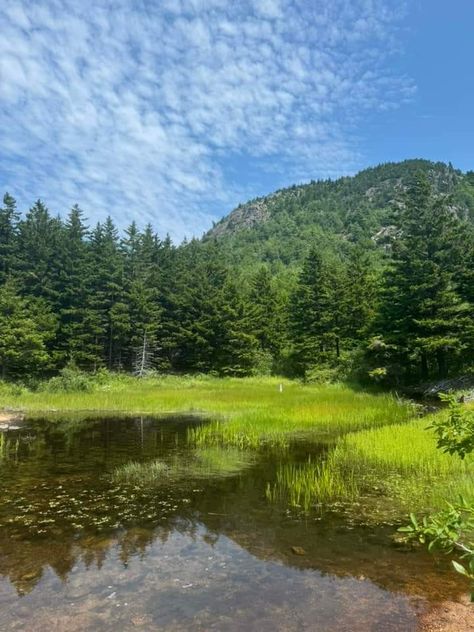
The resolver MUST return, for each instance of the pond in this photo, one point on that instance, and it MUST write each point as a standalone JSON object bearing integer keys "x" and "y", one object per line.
{"x": 88, "y": 543}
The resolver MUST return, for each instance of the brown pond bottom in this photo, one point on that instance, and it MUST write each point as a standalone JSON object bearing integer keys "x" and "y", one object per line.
{"x": 198, "y": 581}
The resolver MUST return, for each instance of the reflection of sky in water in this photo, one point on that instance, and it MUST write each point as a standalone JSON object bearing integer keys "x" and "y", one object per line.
{"x": 201, "y": 550}
{"x": 186, "y": 581}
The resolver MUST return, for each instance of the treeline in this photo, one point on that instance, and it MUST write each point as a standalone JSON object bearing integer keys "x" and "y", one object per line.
{"x": 70, "y": 294}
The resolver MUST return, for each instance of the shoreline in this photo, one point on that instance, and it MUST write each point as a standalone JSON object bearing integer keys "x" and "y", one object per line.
{"x": 449, "y": 616}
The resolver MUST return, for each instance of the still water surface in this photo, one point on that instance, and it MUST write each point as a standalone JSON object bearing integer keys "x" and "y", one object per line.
{"x": 201, "y": 550}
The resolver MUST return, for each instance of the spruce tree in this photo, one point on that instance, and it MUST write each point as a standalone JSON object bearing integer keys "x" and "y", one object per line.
{"x": 22, "y": 340}
{"x": 106, "y": 320}
{"x": 311, "y": 315}
{"x": 9, "y": 218}
{"x": 422, "y": 314}
{"x": 38, "y": 244}
{"x": 141, "y": 287}
{"x": 75, "y": 339}
{"x": 267, "y": 307}
{"x": 234, "y": 341}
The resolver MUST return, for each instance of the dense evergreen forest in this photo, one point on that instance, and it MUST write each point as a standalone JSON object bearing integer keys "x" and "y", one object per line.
{"x": 370, "y": 277}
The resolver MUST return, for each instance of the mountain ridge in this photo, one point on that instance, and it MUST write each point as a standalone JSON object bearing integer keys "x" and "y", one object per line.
{"x": 357, "y": 209}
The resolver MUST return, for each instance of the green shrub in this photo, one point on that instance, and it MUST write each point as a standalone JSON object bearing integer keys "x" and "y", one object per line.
{"x": 70, "y": 379}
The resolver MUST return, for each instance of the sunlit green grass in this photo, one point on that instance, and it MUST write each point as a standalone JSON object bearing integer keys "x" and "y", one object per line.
{"x": 304, "y": 486}
{"x": 405, "y": 463}
{"x": 148, "y": 474}
{"x": 385, "y": 471}
{"x": 248, "y": 412}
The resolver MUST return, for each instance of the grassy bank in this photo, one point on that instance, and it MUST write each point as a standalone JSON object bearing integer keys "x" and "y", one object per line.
{"x": 405, "y": 464}
{"x": 247, "y": 412}
{"x": 386, "y": 471}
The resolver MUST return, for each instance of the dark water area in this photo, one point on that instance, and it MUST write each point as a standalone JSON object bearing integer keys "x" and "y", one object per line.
{"x": 203, "y": 549}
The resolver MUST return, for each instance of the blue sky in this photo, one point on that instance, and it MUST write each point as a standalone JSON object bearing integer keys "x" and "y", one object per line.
{"x": 174, "y": 111}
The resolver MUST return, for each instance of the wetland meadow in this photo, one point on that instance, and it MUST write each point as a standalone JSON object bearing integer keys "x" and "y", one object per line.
{"x": 219, "y": 503}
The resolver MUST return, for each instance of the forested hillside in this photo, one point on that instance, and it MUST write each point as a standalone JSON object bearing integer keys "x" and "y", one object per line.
{"x": 334, "y": 214}
{"x": 369, "y": 277}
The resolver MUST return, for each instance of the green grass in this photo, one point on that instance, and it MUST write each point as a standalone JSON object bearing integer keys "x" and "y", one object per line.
{"x": 383, "y": 473}
{"x": 402, "y": 462}
{"x": 248, "y": 412}
{"x": 305, "y": 485}
{"x": 381, "y": 458}
{"x": 148, "y": 474}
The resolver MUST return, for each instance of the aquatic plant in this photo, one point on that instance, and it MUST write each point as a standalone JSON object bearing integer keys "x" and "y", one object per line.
{"x": 141, "y": 473}
{"x": 206, "y": 462}
{"x": 305, "y": 485}
{"x": 402, "y": 462}
{"x": 209, "y": 462}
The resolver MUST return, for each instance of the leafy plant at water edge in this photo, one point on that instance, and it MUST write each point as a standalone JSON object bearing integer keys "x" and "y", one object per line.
{"x": 451, "y": 530}
{"x": 456, "y": 433}
{"x": 448, "y": 531}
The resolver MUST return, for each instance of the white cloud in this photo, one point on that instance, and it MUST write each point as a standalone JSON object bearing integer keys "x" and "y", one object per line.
{"x": 137, "y": 109}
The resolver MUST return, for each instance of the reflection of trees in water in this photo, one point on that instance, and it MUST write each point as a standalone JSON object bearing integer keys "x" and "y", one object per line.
{"x": 25, "y": 563}
{"x": 60, "y": 472}
{"x": 331, "y": 547}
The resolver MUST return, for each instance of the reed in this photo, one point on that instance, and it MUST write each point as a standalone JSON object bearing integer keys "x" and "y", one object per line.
{"x": 308, "y": 485}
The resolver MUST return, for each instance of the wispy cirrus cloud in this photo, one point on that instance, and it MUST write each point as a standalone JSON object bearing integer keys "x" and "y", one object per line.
{"x": 151, "y": 110}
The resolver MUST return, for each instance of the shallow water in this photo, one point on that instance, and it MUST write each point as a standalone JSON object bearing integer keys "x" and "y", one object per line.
{"x": 201, "y": 549}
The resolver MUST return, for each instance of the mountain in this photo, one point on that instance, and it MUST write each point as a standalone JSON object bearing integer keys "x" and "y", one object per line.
{"x": 333, "y": 214}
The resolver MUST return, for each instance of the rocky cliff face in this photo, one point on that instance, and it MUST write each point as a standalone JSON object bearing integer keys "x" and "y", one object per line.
{"x": 244, "y": 216}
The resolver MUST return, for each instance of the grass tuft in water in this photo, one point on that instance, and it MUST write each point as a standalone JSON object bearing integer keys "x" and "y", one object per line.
{"x": 202, "y": 463}
{"x": 147, "y": 474}
{"x": 304, "y": 486}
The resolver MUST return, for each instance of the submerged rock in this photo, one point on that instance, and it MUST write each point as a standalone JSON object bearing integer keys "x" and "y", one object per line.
{"x": 298, "y": 550}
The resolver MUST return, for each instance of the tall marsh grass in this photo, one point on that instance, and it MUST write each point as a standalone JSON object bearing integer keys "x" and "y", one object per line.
{"x": 402, "y": 462}
{"x": 303, "y": 486}
{"x": 383, "y": 472}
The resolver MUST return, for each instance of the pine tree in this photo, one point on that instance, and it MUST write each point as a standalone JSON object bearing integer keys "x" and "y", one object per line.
{"x": 9, "y": 218}
{"x": 107, "y": 320}
{"x": 141, "y": 286}
{"x": 234, "y": 342}
{"x": 312, "y": 317}
{"x": 38, "y": 244}
{"x": 22, "y": 340}
{"x": 75, "y": 339}
{"x": 267, "y": 307}
{"x": 422, "y": 315}
{"x": 360, "y": 287}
